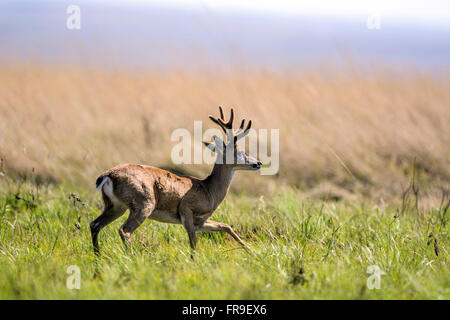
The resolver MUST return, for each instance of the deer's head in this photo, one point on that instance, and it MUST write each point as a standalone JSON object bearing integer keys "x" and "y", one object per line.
{"x": 228, "y": 153}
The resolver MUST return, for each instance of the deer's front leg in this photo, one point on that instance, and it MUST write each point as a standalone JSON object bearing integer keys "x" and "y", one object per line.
{"x": 210, "y": 225}
{"x": 187, "y": 219}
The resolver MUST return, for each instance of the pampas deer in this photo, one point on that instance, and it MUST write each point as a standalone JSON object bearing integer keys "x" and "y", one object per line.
{"x": 157, "y": 194}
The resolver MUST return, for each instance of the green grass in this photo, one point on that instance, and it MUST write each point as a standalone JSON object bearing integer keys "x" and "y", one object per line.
{"x": 304, "y": 249}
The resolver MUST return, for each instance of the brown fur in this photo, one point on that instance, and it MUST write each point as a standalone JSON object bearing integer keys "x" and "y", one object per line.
{"x": 158, "y": 194}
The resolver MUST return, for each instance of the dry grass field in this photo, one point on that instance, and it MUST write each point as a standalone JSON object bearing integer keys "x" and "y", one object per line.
{"x": 341, "y": 132}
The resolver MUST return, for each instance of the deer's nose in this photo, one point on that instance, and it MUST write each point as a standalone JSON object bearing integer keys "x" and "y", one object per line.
{"x": 257, "y": 165}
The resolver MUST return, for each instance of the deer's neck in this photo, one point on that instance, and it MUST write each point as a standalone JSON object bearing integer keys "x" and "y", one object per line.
{"x": 218, "y": 182}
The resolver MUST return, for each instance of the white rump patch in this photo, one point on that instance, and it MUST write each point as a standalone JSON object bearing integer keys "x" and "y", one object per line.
{"x": 107, "y": 187}
{"x": 100, "y": 186}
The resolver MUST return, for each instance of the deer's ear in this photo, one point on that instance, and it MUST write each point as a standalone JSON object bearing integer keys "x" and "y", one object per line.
{"x": 220, "y": 145}
{"x": 210, "y": 146}
{"x": 217, "y": 146}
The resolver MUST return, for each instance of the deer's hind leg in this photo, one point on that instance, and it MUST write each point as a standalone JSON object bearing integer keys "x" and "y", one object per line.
{"x": 111, "y": 212}
{"x": 138, "y": 213}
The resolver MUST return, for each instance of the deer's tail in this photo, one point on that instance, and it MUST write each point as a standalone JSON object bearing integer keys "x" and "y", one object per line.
{"x": 101, "y": 181}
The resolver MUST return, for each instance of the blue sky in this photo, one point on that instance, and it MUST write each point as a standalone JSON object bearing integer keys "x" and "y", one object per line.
{"x": 436, "y": 11}
{"x": 256, "y": 33}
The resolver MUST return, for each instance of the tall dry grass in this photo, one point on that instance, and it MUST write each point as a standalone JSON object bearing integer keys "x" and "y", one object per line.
{"x": 358, "y": 132}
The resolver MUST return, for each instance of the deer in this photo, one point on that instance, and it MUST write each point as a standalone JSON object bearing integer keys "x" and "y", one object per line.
{"x": 154, "y": 193}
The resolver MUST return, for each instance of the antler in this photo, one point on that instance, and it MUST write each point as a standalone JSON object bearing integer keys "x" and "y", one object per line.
{"x": 241, "y": 132}
{"x": 221, "y": 121}
{"x": 227, "y": 127}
